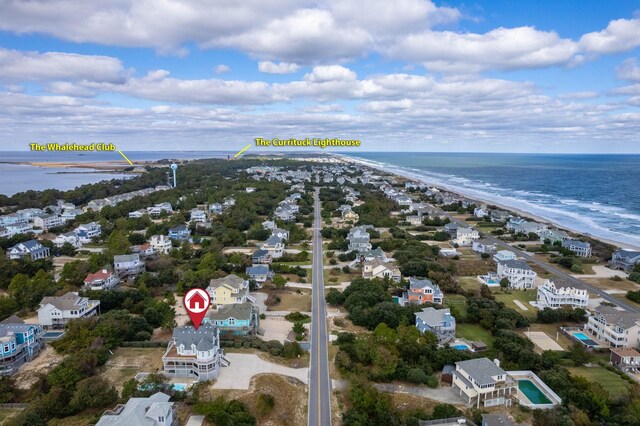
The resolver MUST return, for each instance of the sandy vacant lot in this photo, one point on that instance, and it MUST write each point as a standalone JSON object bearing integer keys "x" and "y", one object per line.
{"x": 244, "y": 366}
{"x": 27, "y": 374}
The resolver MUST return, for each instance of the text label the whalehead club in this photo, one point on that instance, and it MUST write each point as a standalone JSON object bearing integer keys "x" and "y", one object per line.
{"x": 317, "y": 142}
{"x": 72, "y": 147}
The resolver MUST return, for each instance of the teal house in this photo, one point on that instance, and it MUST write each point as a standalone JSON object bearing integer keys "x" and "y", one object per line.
{"x": 19, "y": 343}
{"x": 238, "y": 319}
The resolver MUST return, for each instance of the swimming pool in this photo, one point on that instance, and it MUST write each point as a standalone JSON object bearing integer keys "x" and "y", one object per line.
{"x": 585, "y": 340}
{"x": 461, "y": 347}
{"x": 581, "y": 336}
{"x": 532, "y": 392}
{"x": 181, "y": 387}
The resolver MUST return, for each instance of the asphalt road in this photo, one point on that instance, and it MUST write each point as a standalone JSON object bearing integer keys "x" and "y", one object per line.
{"x": 554, "y": 270}
{"x": 319, "y": 407}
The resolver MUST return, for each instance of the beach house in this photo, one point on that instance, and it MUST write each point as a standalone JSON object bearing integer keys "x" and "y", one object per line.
{"x": 160, "y": 244}
{"x": 216, "y": 208}
{"x": 194, "y": 354}
{"x": 67, "y": 237}
{"x": 550, "y": 295}
{"x": 56, "y": 312}
{"x": 19, "y": 343}
{"x": 481, "y": 382}
{"x": 614, "y": 328}
{"x": 229, "y": 290}
{"x": 198, "y": 216}
{"x": 30, "y": 248}
{"x": 274, "y": 246}
{"x": 465, "y": 236}
{"x": 625, "y": 359}
{"x": 268, "y": 225}
{"x": 155, "y": 410}
{"x": 261, "y": 256}
{"x": 101, "y": 280}
{"x": 238, "y": 319}
{"x": 128, "y": 265}
{"x": 504, "y": 255}
{"x": 483, "y": 246}
{"x": 437, "y": 321}
{"x": 518, "y": 272}
{"x": 88, "y": 231}
{"x": 180, "y": 233}
{"x": 259, "y": 273}
{"x": 280, "y": 233}
{"x": 350, "y": 216}
{"x": 553, "y": 235}
{"x": 423, "y": 291}
{"x": 580, "y": 248}
{"x": 376, "y": 268}
{"x": 158, "y": 209}
{"x": 48, "y": 221}
{"x": 624, "y": 260}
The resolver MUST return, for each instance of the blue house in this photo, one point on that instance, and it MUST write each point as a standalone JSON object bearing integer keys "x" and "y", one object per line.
{"x": 19, "y": 343}
{"x": 180, "y": 232}
{"x": 437, "y": 321}
{"x": 239, "y": 319}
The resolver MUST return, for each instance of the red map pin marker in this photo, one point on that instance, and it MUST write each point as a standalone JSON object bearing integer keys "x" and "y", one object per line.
{"x": 196, "y": 302}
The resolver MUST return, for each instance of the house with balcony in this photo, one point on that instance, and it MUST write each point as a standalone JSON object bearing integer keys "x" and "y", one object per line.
{"x": 101, "y": 280}
{"x": 56, "y": 312}
{"x": 483, "y": 246}
{"x": 259, "y": 273}
{"x": 482, "y": 383}
{"x": 261, "y": 256}
{"x": 579, "y": 248}
{"x": 67, "y": 237}
{"x": 198, "y": 216}
{"x": 48, "y": 221}
{"x": 155, "y": 410}
{"x": 269, "y": 225}
{"x": 180, "y": 233}
{"x": 504, "y": 255}
{"x": 614, "y": 328}
{"x": 372, "y": 254}
{"x": 553, "y": 235}
{"x": 421, "y": 291}
{"x": 194, "y": 354}
{"x": 19, "y": 343}
{"x": 624, "y": 260}
{"x": 437, "y": 321}
{"x": 350, "y": 216}
{"x": 519, "y": 274}
{"x": 466, "y": 236}
{"x": 237, "y": 319}
{"x": 229, "y": 290}
{"x": 128, "y": 265}
{"x": 280, "y": 233}
{"x": 31, "y": 248}
{"x": 161, "y": 244}
{"x": 274, "y": 246}
{"x": 376, "y": 268}
{"x": 626, "y": 359}
{"x": 88, "y": 231}
{"x": 158, "y": 209}
{"x": 552, "y": 296}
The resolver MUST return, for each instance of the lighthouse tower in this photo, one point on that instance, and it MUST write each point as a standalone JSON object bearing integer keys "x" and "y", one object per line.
{"x": 174, "y": 167}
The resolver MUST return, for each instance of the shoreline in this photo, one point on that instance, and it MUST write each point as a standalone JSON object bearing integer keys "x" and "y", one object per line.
{"x": 103, "y": 166}
{"x": 518, "y": 211}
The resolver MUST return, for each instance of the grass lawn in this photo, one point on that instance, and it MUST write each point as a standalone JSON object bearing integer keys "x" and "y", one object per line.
{"x": 291, "y": 300}
{"x": 6, "y": 413}
{"x": 614, "y": 384}
{"x": 521, "y": 295}
{"x": 127, "y": 362}
{"x": 469, "y": 283}
{"x": 474, "y": 332}
{"x": 458, "y": 301}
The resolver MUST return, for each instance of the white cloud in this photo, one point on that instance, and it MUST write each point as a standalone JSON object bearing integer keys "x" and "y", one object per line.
{"x": 33, "y": 66}
{"x": 502, "y": 48}
{"x": 629, "y": 70}
{"x": 330, "y": 73}
{"x": 221, "y": 69}
{"x": 620, "y": 35}
{"x": 386, "y": 106}
{"x": 280, "y": 68}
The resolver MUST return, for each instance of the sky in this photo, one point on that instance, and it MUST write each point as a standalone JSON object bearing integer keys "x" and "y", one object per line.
{"x": 403, "y": 75}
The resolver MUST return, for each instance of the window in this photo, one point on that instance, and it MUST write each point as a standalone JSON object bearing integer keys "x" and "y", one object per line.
{"x": 161, "y": 419}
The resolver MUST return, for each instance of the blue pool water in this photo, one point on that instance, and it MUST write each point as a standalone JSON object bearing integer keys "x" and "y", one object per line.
{"x": 461, "y": 347}
{"x": 581, "y": 336}
{"x": 179, "y": 387}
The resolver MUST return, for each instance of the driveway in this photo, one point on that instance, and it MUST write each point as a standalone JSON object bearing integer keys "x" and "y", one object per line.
{"x": 244, "y": 366}
{"x": 445, "y": 395}
{"x": 275, "y": 329}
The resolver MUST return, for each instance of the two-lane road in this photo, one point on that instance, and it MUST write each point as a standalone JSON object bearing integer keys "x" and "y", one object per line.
{"x": 319, "y": 407}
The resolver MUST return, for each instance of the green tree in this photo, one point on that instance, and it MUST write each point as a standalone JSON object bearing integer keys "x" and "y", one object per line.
{"x": 279, "y": 281}
{"x": 93, "y": 392}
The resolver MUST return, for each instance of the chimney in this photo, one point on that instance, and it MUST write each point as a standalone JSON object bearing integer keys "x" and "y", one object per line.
{"x": 104, "y": 271}
{"x": 496, "y": 361}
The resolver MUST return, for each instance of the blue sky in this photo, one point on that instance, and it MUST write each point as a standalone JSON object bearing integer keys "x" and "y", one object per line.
{"x": 409, "y": 75}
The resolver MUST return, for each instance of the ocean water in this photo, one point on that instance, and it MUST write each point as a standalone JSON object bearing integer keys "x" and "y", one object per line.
{"x": 592, "y": 194}
{"x": 16, "y": 178}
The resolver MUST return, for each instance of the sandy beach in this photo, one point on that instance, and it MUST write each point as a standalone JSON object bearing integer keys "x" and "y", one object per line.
{"x": 517, "y": 211}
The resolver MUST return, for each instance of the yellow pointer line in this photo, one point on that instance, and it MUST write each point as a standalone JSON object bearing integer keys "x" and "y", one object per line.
{"x": 242, "y": 150}
{"x": 125, "y": 157}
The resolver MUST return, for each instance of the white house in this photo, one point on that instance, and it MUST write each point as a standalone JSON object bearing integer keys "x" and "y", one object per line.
{"x": 67, "y": 237}
{"x": 504, "y": 255}
{"x": 274, "y": 246}
{"x": 88, "y": 231}
{"x": 616, "y": 329}
{"x": 280, "y": 233}
{"x": 376, "y": 268}
{"x": 155, "y": 410}
{"x": 48, "y": 221}
{"x": 137, "y": 214}
{"x": 481, "y": 212}
{"x": 56, "y": 312}
{"x": 161, "y": 244}
{"x": 624, "y": 259}
{"x": 194, "y": 354}
{"x": 31, "y": 248}
{"x": 260, "y": 273}
{"x": 580, "y": 248}
{"x": 483, "y": 246}
{"x": 269, "y": 224}
{"x": 128, "y": 265}
{"x": 466, "y": 236}
{"x": 198, "y": 216}
{"x": 437, "y": 321}
{"x": 483, "y": 383}
{"x": 550, "y": 296}
{"x": 101, "y": 280}
{"x": 518, "y": 272}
